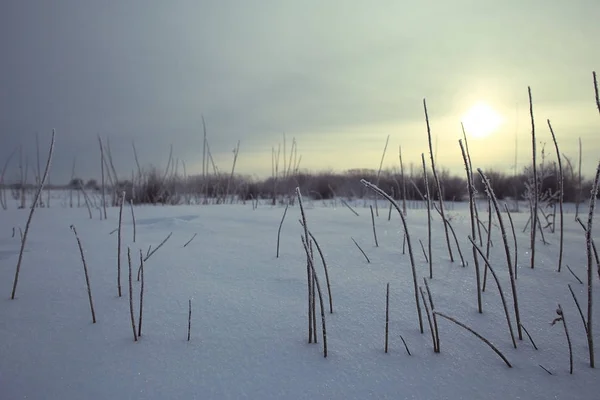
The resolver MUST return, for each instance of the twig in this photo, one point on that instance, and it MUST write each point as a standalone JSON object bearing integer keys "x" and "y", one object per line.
{"x": 585, "y": 327}
{"x": 426, "y": 305}
{"x": 529, "y": 336}
{"x": 542, "y": 367}
{"x": 85, "y": 270}
{"x": 373, "y": 223}
{"x": 438, "y": 185}
{"x": 133, "y": 218}
{"x": 349, "y": 207}
{"x": 573, "y": 273}
{"x": 135, "y": 338}
{"x": 561, "y": 317}
{"x": 471, "y": 188}
{"x": 189, "y": 241}
{"x": 588, "y": 240}
{"x": 477, "y": 335}
{"x": 405, "y": 345}
{"x": 489, "y": 267}
{"x": 424, "y": 252}
{"x": 410, "y": 251}
{"x": 561, "y": 191}
{"x": 387, "y": 315}
{"x": 141, "y": 295}
{"x": 512, "y": 227}
{"x": 280, "y": 225}
{"x": 35, "y": 201}
{"x": 428, "y": 258}
{"x": 435, "y": 324}
{"x": 361, "y": 250}
{"x": 152, "y": 252}
{"x": 119, "y": 244}
{"x": 189, "y": 330}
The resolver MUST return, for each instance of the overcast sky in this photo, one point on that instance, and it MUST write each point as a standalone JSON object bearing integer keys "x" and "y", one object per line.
{"x": 339, "y": 76}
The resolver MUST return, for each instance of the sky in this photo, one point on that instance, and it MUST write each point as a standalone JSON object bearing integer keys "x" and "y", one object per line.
{"x": 338, "y": 76}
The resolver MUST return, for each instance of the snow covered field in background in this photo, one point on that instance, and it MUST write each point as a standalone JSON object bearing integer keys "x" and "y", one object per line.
{"x": 249, "y": 313}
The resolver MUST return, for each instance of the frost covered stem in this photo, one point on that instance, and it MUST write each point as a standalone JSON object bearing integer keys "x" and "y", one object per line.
{"x": 31, "y": 211}
{"x": 135, "y": 338}
{"x": 141, "y": 295}
{"x": 85, "y": 270}
{"x": 561, "y": 190}
{"x": 437, "y": 183}
{"x": 588, "y": 240}
{"x": 280, "y": 225}
{"x": 534, "y": 212}
{"x": 189, "y": 330}
{"x": 512, "y": 227}
{"x": 387, "y": 315}
{"x": 561, "y": 317}
{"x": 410, "y": 250}
{"x": 471, "y": 189}
{"x": 484, "y": 340}
{"x": 428, "y": 198}
{"x": 308, "y": 269}
{"x": 316, "y": 281}
{"x": 373, "y": 223}
{"x": 119, "y": 244}
{"x": 513, "y": 285}
{"x": 489, "y": 266}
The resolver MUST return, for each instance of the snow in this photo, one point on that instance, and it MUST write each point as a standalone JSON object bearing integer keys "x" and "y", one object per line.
{"x": 249, "y": 309}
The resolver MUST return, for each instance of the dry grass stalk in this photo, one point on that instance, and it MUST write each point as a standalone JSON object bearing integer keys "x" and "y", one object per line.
{"x": 190, "y": 241}
{"x": 150, "y": 253}
{"x": 279, "y": 230}
{"x": 349, "y": 207}
{"x": 534, "y": 214}
{"x": 189, "y": 330}
{"x": 561, "y": 317}
{"x": 470, "y": 171}
{"x": 588, "y": 240}
{"x": 387, "y": 141}
{"x": 429, "y": 320}
{"x": 361, "y": 250}
{"x": 103, "y": 185}
{"x": 373, "y": 223}
{"x": 585, "y": 327}
{"x": 30, "y": 217}
{"x": 529, "y": 336}
{"x": 326, "y": 270}
{"x": 435, "y": 324}
{"x": 477, "y": 335}
{"x": 471, "y": 188}
{"x": 428, "y": 257}
{"x": 462, "y": 259}
{"x": 424, "y": 252}
{"x": 488, "y": 242}
{"x": 512, "y": 227}
{"x": 85, "y": 270}
{"x": 387, "y": 316}
{"x": 437, "y": 183}
{"x": 403, "y": 180}
{"x": 490, "y": 192}
{"x": 506, "y": 313}
{"x": 561, "y": 194}
{"x": 119, "y": 243}
{"x": 141, "y": 295}
{"x": 405, "y": 345}
{"x": 574, "y": 275}
{"x": 133, "y": 219}
{"x": 316, "y": 280}
{"x": 410, "y": 250}
{"x": 309, "y": 271}
{"x": 135, "y": 338}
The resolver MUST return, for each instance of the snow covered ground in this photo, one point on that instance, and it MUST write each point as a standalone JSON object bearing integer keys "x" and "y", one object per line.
{"x": 249, "y": 310}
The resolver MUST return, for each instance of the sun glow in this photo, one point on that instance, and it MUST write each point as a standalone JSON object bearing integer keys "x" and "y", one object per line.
{"x": 481, "y": 120}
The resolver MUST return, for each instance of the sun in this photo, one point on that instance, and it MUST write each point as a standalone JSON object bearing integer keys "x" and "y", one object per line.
{"x": 481, "y": 120}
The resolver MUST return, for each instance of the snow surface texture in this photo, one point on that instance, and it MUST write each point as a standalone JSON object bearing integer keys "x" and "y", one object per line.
{"x": 249, "y": 317}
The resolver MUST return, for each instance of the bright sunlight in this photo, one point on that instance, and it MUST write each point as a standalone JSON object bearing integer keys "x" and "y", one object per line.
{"x": 481, "y": 120}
